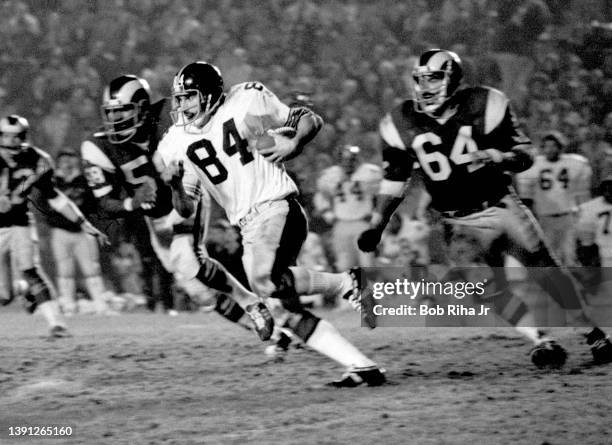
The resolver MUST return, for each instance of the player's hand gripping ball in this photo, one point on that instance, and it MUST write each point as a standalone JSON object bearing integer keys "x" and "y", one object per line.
{"x": 277, "y": 144}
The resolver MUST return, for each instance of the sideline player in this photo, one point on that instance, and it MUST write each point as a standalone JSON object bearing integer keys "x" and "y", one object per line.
{"x": 345, "y": 199}
{"x": 234, "y": 144}
{"x": 556, "y": 184}
{"x": 23, "y": 167}
{"x": 120, "y": 161}
{"x": 594, "y": 228}
{"x": 465, "y": 139}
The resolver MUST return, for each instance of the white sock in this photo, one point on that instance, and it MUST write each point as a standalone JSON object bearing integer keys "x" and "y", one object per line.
{"x": 526, "y": 326}
{"x": 50, "y": 310}
{"x": 310, "y": 282}
{"x": 328, "y": 341}
{"x": 97, "y": 292}
{"x": 66, "y": 289}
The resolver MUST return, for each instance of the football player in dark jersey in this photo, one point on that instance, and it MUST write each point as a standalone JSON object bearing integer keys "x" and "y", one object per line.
{"x": 466, "y": 140}
{"x": 22, "y": 168}
{"x": 120, "y": 166}
{"x": 69, "y": 244}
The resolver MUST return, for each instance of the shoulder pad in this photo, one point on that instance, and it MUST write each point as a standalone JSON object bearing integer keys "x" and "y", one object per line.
{"x": 575, "y": 157}
{"x": 93, "y": 154}
{"x": 390, "y": 133}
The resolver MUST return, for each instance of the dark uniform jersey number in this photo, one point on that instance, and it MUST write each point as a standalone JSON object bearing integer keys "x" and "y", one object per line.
{"x": 355, "y": 189}
{"x": 202, "y": 153}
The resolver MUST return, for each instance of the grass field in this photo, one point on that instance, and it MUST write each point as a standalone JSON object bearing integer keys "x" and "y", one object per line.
{"x": 193, "y": 379}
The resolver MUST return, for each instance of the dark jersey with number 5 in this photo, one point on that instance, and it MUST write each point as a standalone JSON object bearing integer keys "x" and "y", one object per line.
{"x": 444, "y": 148}
{"x": 222, "y": 156}
{"x": 115, "y": 171}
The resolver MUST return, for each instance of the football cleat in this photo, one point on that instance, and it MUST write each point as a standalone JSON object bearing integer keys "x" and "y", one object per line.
{"x": 354, "y": 295}
{"x": 59, "y": 332}
{"x": 371, "y": 376}
{"x": 360, "y": 299}
{"x": 262, "y": 320}
{"x": 601, "y": 347}
{"x": 548, "y": 354}
{"x": 278, "y": 350}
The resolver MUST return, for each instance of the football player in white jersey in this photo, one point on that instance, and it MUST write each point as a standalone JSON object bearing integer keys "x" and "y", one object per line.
{"x": 345, "y": 199}
{"x": 122, "y": 161}
{"x": 594, "y": 228}
{"x": 556, "y": 184}
{"x": 233, "y": 144}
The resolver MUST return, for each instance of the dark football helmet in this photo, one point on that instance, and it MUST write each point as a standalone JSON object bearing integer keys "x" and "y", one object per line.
{"x": 437, "y": 75}
{"x": 14, "y": 131}
{"x": 125, "y": 105}
{"x": 349, "y": 158}
{"x": 196, "y": 91}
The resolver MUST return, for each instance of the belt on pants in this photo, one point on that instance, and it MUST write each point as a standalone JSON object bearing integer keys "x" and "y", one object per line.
{"x": 479, "y": 208}
{"x": 257, "y": 209}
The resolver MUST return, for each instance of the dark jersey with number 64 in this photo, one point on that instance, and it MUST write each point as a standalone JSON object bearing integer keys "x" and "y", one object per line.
{"x": 444, "y": 148}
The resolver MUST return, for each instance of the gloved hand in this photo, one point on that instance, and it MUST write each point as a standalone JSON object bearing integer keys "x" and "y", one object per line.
{"x": 369, "y": 239}
{"x": 145, "y": 194}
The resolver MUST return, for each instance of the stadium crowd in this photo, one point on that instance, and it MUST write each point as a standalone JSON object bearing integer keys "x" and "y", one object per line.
{"x": 351, "y": 60}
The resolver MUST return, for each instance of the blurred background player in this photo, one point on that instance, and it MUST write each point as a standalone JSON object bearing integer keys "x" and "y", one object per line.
{"x": 23, "y": 167}
{"x": 120, "y": 166}
{"x": 70, "y": 245}
{"x": 594, "y": 228}
{"x": 451, "y": 131}
{"x": 231, "y": 144}
{"x": 345, "y": 199}
{"x": 553, "y": 188}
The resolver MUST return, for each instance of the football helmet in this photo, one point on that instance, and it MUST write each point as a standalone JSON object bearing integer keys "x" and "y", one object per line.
{"x": 437, "y": 75}
{"x": 14, "y": 131}
{"x": 349, "y": 158}
{"x": 196, "y": 92}
{"x": 125, "y": 105}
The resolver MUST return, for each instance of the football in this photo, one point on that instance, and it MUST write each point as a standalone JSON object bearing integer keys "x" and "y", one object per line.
{"x": 267, "y": 141}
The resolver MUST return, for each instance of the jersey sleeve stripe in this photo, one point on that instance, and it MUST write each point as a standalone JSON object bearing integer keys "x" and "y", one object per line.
{"x": 495, "y": 110}
{"x": 94, "y": 155}
{"x": 390, "y": 133}
{"x": 102, "y": 191}
{"x": 393, "y": 188}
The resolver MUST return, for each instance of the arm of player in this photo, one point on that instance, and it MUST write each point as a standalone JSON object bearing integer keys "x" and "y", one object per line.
{"x": 512, "y": 146}
{"x": 397, "y": 166}
{"x": 582, "y": 188}
{"x": 63, "y": 205}
{"x": 287, "y": 146}
{"x": 184, "y": 187}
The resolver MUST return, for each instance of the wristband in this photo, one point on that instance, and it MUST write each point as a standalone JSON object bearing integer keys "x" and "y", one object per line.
{"x": 128, "y": 204}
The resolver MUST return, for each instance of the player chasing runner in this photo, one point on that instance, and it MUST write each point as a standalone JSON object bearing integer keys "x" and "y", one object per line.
{"x": 233, "y": 144}
{"x": 465, "y": 140}
{"x": 121, "y": 161}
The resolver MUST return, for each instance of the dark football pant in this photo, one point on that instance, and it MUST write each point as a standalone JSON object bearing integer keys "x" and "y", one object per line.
{"x": 510, "y": 228}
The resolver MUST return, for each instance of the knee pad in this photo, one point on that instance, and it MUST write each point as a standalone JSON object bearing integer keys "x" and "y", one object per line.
{"x": 38, "y": 291}
{"x": 302, "y": 324}
{"x": 228, "y": 308}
